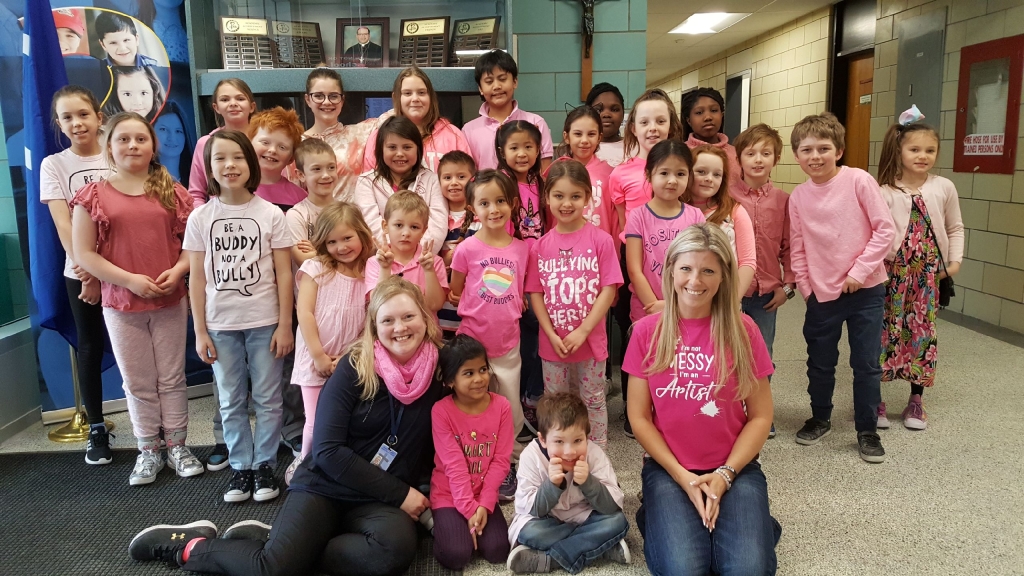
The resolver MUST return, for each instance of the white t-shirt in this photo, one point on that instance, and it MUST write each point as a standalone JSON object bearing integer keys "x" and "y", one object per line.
{"x": 241, "y": 287}
{"x": 61, "y": 175}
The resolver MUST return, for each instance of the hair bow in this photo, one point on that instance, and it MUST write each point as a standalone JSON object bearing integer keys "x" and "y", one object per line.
{"x": 910, "y": 115}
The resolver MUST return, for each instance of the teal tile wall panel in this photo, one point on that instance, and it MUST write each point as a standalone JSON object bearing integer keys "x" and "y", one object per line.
{"x": 638, "y": 15}
{"x": 12, "y": 251}
{"x": 555, "y": 119}
{"x": 637, "y": 85}
{"x": 549, "y": 52}
{"x": 19, "y": 287}
{"x": 618, "y": 79}
{"x": 620, "y": 51}
{"x": 533, "y": 16}
{"x": 568, "y": 16}
{"x": 613, "y": 15}
{"x": 5, "y": 176}
{"x": 8, "y": 221}
{"x": 567, "y": 90}
{"x": 536, "y": 92}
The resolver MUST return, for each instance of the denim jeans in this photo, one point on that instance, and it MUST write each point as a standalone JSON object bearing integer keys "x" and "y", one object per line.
{"x": 573, "y": 546}
{"x": 242, "y": 353}
{"x": 531, "y": 379}
{"x": 676, "y": 543}
{"x": 753, "y": 306}
{"x": 862, "y": 311}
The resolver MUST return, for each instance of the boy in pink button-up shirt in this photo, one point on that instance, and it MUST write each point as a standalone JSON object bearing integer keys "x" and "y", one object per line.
{"x": 497, "y": 77}
{"x": 840, "y": 230}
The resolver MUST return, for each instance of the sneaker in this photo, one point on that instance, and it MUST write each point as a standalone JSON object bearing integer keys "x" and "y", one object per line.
{"x": 240, "y": 487}
{"x": 98, "y": 450}
{"x": 883, "y": 420}
{"x": 914, "y": 416}
{"x": 247, "y": 530}
{"x": 530, "y": 416}
{"x": 166, "y": 542}
{"x": 265, "y": 485}
{"x": 289, "y": 473}
{"x": 619, "y": 554}
{"x": 813, "y": 431}
{"x": 525, "y": 435}
{"x": 148, "y": 464}
{"x": 507, "y": 490}
{"x": 526, "y": 560}
{"x": 218, "y": 459}
{"x": 184, "y": 462}
{"x": 293, "y": 444}
{"x": 771, "y": 433}
{"x": 870, "y": 447}
{"x": 627, "y": 429}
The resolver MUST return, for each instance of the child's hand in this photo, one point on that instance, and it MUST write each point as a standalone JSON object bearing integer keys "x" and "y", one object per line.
{"x": 324, "y": 365}
{"x": 476, "y": 523}
{"x": 580, "y": 472}
{"x": 454, "y": 298}
{"x": 305, "y": 246}
{"x": 558, "y": 345}
{"x": 205, "y": 349}
{"x": 654, "y": 307}
{"x": 574, "y": 340}
{"x": 169, "y": 279}
{"x": 427, "y": 256}
{"x": 447, "y": 254}
{"x": 778, "y": 299}
{"x": 334, "y": 363}
{"x": 144, "y": 287}
{"x": 82, "y": 275}
{"x": 282, "y": 342}
{"x": 384, "y": 254}
{"x": 851, "y": 286}
{"x": 90, "y": 292}
{"x": 951, "y": 269}
{"x": 555, "y": 472}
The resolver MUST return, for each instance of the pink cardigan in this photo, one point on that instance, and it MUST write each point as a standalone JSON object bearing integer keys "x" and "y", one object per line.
{"x": 944, "y": 210}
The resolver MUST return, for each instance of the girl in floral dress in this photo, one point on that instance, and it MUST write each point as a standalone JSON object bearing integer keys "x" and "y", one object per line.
{"x": 928, "y": 246}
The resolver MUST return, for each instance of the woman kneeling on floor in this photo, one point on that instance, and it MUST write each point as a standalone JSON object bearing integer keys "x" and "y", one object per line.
{"x": 705, "y": 506}
{"x": 353, "y": 504}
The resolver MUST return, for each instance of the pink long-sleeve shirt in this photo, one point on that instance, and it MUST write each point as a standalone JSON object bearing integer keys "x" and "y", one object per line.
{"x": 837, "y": 229}
{"x": 197, "y": 175}
{"x": 446, "y": 137}
{"x": 473, "y": 453}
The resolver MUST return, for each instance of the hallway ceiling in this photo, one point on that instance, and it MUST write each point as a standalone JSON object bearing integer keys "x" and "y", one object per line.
{"x": 669, "y": 53}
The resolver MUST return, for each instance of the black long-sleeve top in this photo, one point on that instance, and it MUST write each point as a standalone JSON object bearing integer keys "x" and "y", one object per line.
{"x": 349, "y": 432}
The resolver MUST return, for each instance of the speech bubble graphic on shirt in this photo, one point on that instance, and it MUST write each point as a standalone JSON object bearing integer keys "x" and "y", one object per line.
{"x": 235, "y": 251}
{"x": 498, "y": 281}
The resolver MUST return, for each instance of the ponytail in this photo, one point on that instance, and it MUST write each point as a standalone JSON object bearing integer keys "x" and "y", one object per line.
{"x": 160, "y": 184}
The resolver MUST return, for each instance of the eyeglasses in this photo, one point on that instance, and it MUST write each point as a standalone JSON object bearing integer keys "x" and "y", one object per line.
{"x": 319, "y": 97}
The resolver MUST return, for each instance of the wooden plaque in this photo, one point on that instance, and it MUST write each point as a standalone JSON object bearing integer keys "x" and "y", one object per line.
{"x": 246, "y": 45}
{"x": 298, "y": 44}
{"x": 473, "y": 35}
{"x": 424, "y": 42}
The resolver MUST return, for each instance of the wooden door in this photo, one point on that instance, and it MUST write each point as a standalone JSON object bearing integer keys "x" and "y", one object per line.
{"x": 858, "y": 110}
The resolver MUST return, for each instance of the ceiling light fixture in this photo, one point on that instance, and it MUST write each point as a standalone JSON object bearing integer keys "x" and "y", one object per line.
{"x": 708, "y": 23}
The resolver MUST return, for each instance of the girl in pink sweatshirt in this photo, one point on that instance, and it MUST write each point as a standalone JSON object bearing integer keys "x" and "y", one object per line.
{"x": 473, "y": 440}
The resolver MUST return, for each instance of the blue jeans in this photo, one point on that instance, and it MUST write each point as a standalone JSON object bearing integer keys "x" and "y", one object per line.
{"x": 531, "y": 377}
{"x": 575, "y": 545}
{"x": 862, "y": 311}
{"x": 676, "y": 543}
{"x": 242, "y": 353}
{"x": 753, "y": 306}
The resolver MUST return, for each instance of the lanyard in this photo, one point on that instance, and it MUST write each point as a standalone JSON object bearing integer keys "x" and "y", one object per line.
{"x": 395, "y": 423}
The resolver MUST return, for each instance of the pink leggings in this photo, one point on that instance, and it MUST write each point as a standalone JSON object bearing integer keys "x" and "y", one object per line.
{"x": 588, "y": 376}
{"x": 149, "y": 347}
{"x": 310, "y": 396}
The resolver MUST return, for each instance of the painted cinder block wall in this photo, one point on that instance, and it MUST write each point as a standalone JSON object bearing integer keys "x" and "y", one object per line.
{"x": 789, "y": 75}
{"x": 549, "y": 46}
{"x": 990, "y": 286}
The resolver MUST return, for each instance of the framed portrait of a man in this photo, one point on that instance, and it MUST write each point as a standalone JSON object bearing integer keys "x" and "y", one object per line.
{"x": 362, "y": 42}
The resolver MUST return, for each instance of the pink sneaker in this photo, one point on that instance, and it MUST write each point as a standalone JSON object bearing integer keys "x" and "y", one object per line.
{"x": 883, "y": 420}
{"x": 914, "y": 416}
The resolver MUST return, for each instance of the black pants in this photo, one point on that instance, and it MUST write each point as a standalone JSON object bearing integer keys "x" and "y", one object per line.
{"x": 92, "y": 333}
{"x": 453, "y": 545}
{"x": 314, "y": 532}
{"x": 531, "y": 376}
{"x": 293, "y": 417}
{"x": 621, "y": 315}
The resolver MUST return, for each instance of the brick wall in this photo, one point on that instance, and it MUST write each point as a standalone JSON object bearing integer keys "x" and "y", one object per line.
{"x": 990, "y": 285}
{"x": 789, "y": 71}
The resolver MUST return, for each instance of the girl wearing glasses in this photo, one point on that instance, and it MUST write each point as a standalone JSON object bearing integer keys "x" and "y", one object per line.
{"x": 326, "y": 97}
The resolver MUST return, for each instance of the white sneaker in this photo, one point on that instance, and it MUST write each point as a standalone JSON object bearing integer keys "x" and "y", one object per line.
{"x": 184, "y": 463}
{"x": 883, "y": 420}
{"x": 148, "y": 464}
{"x": 619, "y": 553}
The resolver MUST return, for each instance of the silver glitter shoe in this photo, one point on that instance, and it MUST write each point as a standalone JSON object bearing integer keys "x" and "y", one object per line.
{"x": 148, "y": 464}
{"x": 184, "y": 463}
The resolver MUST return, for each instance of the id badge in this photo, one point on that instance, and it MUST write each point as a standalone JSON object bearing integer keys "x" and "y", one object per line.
{"x": 384, "y": 457}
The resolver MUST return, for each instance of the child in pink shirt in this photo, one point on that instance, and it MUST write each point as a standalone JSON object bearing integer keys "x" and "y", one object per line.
{"x": 841, "y": 231}
{"x": 572, "y": 279}
{"x": 233, "y": 104}
{"x": 702, "y": 112}
{"x": 275, "y": 135}
{"x": 582, "y": 136}
{"x": 473, "y": 441}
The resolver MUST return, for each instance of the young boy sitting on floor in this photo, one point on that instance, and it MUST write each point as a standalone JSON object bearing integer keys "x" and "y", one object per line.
{"x": 568, "y": 503}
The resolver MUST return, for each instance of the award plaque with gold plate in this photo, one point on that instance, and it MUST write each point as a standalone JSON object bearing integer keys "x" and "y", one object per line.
{"x": 470, "y": 38}
{"x": 424, "y": 42}
{"x": 245, "y": 44}
{"x": 299, "y": 44}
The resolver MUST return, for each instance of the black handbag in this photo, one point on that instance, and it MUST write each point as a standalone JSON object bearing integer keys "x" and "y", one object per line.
{"x": 946, "y": 286}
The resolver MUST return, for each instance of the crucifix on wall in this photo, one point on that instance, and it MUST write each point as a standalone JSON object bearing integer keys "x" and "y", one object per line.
{"x": 586, "y": 60}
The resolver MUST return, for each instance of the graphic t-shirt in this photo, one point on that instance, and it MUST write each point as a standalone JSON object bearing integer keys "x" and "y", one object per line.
{"x": 492, "y": 300}
{"x": 455, "y": 235}
{"x": 531, "y": 220}
{"x": 656, "y": 233}
{"x": 699, "y": 424}
{"x": 282, "y": 193}
{"x": 239, "y": 242}
{"x": 629, "y": 187}
{"x": 64, "y": 173}
{"x": 570, "y": 270}
{"x": 600, "y": 211}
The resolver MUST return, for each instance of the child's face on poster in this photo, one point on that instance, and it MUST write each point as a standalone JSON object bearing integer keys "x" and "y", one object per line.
{"x": 69, "y": 40}
{"x": 121, "y": 46}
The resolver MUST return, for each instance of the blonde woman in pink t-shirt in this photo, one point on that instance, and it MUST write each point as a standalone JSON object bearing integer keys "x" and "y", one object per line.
{"x": 701, "y": 420}
{"x": 127, "y": 232}
{"x": 413, "y": 97}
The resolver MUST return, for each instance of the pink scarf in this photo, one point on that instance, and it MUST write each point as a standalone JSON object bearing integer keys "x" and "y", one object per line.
{"x": 406, "y": 382}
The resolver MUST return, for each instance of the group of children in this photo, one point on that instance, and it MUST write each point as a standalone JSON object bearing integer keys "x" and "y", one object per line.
{"x": 284, "y": 240}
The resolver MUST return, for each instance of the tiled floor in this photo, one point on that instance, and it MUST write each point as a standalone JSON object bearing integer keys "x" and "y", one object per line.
{"x": 947, "y": 500}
